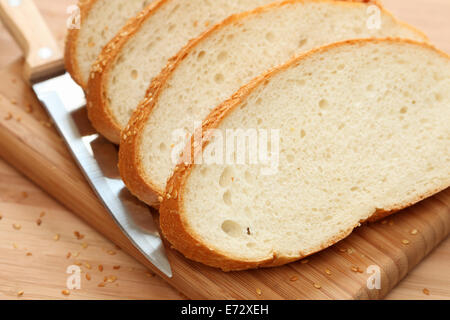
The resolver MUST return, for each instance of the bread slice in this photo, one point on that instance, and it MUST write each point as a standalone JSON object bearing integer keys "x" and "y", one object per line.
{"x": 364, "y": 132}
{"x": 211, "y": 68}
{"x": 142, "y": 49}
{"x": 100, "y": 21}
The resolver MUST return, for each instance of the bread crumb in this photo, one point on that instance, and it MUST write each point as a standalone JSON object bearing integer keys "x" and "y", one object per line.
{"x": 87, "y": 265}
{"x": 426, "y": 291}
{"x": 42, "y": 214}
{"x": 20, "y": 293}
{"x": 68, "y": 255}
{"x": 84, "y": 245}
{"x": 25, "y": 194}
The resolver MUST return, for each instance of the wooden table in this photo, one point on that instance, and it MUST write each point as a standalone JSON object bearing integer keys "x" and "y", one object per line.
{"x": 39, "y": 238}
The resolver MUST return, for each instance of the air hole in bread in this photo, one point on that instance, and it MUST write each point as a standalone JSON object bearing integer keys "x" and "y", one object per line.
{"x": 227, "y": 177}
{"x": 232, "y": 228}
{"x": 219, "y": 78}
{"x": 222, "y": 57}
{"x": 134, "y": 74}
{"x": 227, "y": 198}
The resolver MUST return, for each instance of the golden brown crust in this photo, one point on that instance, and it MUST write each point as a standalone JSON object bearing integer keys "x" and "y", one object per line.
{"x": 178, "y": 231}
{"x": 70, "y": 51}
{"x": 129, "y": 160}
{"x": 98, "y": 107}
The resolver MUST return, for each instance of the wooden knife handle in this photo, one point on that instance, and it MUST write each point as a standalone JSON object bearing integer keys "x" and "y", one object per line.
{"x": 43, "y": 57}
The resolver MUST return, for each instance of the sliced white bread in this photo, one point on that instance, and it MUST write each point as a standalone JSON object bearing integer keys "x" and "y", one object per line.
{"x": 142, "y": 49}
{"x": 364, "y": 132}
{"x": 211, "y": 68}
{"x": 100, "y": 20}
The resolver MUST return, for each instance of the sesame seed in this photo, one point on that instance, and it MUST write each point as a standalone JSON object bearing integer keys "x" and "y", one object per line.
{"x": 68, "y": 255}
{"x": 88, "y": 277}
{"x": 116, "y": 267}
{"x": 42, "y": 214}
{"x": 101, "y": 285}
{"x": 56, "y": 237}
{"x": 317, "y": 286}
{"x": 29, "y": 254}
{"x": 65, "y": 292}
{"x": 258, "y": 292}
{"x": 354, "y": 269}
{"x": 87, "y": 265}
{"x": 328, "y": 272}
{"x": 111, "y": 279}
{"x": 414, "y": 232}
{"x": 100, "y": 268}
{"x": 38, "y": 222}
{"x": 84, "y": 245}
{"x": 426, "y": 291}
{"x": 294, "y": 278}
{"x": 17, "y": 226}
{"x": 111, "y": 252}
{"x": 20, "y": 293}
{"x": 405, "y": 242}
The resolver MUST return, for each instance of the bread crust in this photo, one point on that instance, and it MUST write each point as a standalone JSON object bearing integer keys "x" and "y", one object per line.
{"x": 97, "y": 104}
{"x": 129, "y": 160}
{"x": 71, "y": 44}
{"x": 172, "y": 217}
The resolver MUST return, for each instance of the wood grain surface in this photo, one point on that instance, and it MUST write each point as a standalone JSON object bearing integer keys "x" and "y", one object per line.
{"x": 42, "y": 274}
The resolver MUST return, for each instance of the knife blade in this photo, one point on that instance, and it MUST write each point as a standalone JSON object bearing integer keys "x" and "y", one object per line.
{"x": 65, "y": 103}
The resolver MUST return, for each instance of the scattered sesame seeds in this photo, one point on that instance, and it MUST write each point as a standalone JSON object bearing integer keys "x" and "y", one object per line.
{"x": 56, "y": 237}
{"x": 17, "y": 226}
{"x": 317, "y": 286}
{"x": 414, "y": 232}
{"x": 328, "y": 272}
{"x": 405, "y": 242}
{"x": 111, "y": 279}
{"x": 78, "y": 235}
{"x": 294, "y": 278}
{"x": 426, "y": 291}
{"x": 20, "y": 293}
{"x": 65, "y": 292}
{"x": 258, "y": 292}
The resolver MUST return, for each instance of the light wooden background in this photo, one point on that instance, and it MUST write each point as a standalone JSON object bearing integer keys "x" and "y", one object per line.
{"x": 34, "y": 258}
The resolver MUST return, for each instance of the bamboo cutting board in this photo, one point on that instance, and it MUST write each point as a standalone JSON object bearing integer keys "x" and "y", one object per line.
{"x": 28, "y": 141}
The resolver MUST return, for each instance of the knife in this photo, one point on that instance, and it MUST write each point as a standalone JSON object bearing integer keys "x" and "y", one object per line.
{"x": 65, "y": 102}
